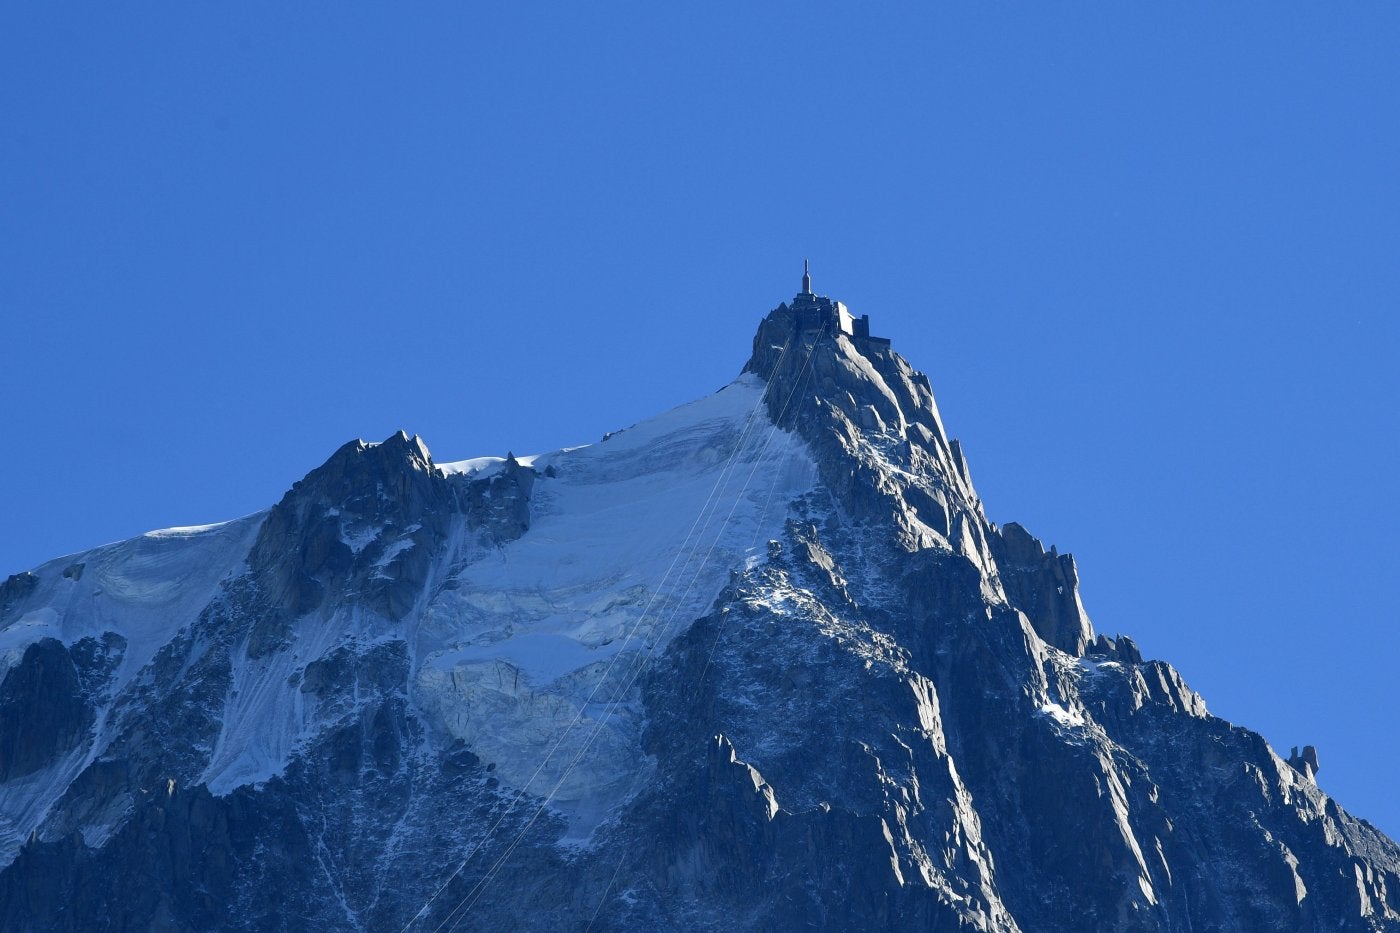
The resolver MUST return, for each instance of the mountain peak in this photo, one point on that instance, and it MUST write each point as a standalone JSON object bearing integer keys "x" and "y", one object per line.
{"x": 760, "y": 662}
{"x": 807, "y": 316}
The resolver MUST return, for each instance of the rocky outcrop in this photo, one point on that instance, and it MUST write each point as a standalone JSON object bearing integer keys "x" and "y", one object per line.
{"x": 1045, "y": 586}
{"x": 500, "y": 503}
{"x": 368, "y": 526}
{"x": 1305, "y": 762}
{"x": 43, "y": 709}
{"x": 367, "y": 523}
{"x": 15, "y": 588}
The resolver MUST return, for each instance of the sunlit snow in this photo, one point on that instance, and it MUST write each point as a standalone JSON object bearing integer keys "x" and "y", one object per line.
{"x": 630, "y": 542}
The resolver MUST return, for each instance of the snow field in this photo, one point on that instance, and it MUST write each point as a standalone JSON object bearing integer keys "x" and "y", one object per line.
{"x": 631, "y": 541}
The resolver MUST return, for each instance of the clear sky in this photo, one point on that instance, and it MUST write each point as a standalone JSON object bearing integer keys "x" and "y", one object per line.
{"x": 1149, "y": 256}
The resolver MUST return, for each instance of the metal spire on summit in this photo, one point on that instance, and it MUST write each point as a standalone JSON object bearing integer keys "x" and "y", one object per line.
{"x": 811, "y": 312}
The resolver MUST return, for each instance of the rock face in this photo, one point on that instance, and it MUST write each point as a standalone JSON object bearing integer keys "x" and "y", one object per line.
{"x": 760, "y": 663}
{"x": 43, "y": 711}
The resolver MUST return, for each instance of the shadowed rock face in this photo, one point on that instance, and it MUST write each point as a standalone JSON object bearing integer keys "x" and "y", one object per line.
{"x": 366, "y": 522}
{"x": 895, "y": 715}
{"x": 16, "y": 587}
{"x": 43, "y": 712}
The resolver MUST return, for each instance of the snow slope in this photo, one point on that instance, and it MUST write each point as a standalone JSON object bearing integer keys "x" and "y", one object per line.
{"x": 145, "y": 590}
{"x": 631, "y": 540}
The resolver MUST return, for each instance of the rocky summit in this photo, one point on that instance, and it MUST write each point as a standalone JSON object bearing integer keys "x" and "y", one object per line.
{"x": 758, "y": 663}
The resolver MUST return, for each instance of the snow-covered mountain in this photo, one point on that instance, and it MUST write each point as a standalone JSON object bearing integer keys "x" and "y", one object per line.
{"x": 760, "y": 662}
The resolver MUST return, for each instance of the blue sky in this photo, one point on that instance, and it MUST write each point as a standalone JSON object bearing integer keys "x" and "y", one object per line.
{"x": 1147, "y": 256}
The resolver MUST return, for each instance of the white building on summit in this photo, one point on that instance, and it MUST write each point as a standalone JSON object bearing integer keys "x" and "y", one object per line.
{"x": 812, "y": 312}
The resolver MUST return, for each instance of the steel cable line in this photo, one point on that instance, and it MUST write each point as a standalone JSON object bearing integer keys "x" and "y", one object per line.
{"x": 768, "y": 501}
{"x": 609, "y": 709}
{"x": 475, "y": 893}
{"x": 720, "y": 634}
{"x": 749, "y": 421}
{"x": 627, "y": 639}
